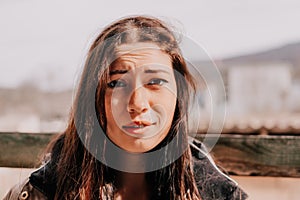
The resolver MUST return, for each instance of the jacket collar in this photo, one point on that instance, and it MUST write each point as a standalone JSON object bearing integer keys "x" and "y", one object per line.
{"x": 44, "y": 179}
{"x": 212, "y": 183}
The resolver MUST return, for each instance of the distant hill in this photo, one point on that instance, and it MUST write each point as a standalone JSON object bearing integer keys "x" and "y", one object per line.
{"x": 289, "y": 53}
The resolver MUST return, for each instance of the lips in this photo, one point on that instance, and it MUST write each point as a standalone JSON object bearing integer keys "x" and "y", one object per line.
{"x": 137, "y": 126}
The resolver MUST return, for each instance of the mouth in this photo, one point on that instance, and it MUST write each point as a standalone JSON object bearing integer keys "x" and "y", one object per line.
{"x": 138, "y": 127}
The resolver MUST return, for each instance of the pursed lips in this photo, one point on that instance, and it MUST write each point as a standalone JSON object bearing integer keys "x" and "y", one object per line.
{"x": 138, "y": 124}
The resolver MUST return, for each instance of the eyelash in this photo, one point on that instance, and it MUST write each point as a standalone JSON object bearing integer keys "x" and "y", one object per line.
{"x": 157, "y": 81}
{"x": 152, "y": 82}
{"x": 116, "y": 83}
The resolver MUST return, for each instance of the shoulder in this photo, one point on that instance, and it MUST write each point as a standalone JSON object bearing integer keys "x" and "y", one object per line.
{"x": 39, "y": 185}
{"x": 23, "y": 191}
{"x": 212, "y": 183}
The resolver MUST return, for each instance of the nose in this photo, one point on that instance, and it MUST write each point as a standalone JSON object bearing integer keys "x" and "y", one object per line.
{"x": 138, "y": 102}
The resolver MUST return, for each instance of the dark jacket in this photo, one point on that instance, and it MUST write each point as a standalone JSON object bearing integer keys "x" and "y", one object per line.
{"x": 212, "y": 183}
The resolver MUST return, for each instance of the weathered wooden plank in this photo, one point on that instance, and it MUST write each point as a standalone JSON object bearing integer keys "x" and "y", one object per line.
{"x": 22, "y": 149}
{"x": 250, "y": 155}
{"x": 258, "y": 155}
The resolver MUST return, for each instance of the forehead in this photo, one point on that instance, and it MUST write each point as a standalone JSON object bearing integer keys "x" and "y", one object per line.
{"x": 141, "y": 54}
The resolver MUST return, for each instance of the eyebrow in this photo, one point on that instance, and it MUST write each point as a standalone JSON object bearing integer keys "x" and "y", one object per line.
{"x": 118, "y": 71}
{"x": 150, "y": 71}
{"x": 156, "y": 71}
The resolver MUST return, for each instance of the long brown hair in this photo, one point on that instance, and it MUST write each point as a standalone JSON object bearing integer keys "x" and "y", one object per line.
{"x": 79, "y": 174}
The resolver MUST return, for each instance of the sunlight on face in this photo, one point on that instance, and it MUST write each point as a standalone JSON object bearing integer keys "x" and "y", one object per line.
{"x": 141, "y": 97}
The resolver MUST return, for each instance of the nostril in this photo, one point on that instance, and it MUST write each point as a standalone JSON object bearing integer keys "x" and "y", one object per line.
{"x": 137, "y": 109}
{"x": 138, "y": 102}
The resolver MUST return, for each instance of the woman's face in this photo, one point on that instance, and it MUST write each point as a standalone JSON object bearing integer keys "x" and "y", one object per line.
{"x": 141, "y": 97}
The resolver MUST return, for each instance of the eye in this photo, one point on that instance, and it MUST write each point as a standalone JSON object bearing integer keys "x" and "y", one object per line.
{"x": 116, "y": 83}
{"x": 157, "y": 81}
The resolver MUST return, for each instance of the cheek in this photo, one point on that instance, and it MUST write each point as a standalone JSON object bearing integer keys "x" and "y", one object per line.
{"x": 165, "y": 105}
{"x": 168, "y": 100}
{"x": 108, "y": 108}
{"x": 115, "y": 99}
{"x": 171, "y": 106}
{"x": 114, "y": 110}
{"x": 115, "y": 103}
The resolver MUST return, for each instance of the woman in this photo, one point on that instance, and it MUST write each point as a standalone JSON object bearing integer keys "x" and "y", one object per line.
{"x": 127, "y": 136}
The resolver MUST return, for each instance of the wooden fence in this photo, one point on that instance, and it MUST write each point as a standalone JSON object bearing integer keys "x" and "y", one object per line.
{"x": 245, "y": 155}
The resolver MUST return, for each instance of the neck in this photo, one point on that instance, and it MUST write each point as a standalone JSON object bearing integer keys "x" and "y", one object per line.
{"x": 132, "y": 186}
{"x": 131, "y": 180}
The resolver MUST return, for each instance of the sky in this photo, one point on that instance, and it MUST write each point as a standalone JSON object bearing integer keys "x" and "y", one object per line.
{"x": 45, "y": 42}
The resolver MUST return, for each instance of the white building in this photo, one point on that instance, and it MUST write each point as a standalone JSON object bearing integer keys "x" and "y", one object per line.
{"x": 262, "y": 88}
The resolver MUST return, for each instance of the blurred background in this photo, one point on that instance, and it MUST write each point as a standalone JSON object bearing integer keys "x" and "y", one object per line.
{"x": 255, "y": 45}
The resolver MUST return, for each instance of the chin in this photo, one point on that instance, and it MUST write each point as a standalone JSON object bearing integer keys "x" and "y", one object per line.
{"x": 142, "y": 148}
